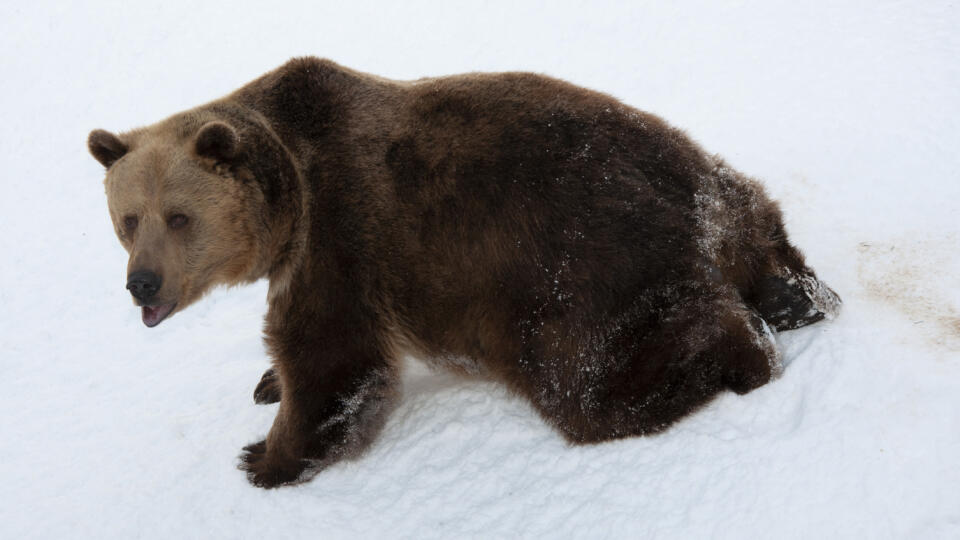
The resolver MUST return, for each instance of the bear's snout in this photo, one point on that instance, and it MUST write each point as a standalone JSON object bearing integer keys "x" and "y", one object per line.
{"x": 143, "y": 284}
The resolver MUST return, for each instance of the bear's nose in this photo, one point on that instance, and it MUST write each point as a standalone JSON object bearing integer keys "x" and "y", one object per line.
{"x": 143, "y": 284}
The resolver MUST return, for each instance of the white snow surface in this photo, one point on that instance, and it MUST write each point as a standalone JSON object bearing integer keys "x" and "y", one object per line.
{"x": 847, "y": 111}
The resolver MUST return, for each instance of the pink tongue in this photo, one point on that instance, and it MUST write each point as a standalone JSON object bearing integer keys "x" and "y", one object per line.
{"x": 152, "y": 315}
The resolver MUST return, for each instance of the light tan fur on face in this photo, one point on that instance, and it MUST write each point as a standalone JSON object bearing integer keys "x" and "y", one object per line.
{"x": 160, "y": 177}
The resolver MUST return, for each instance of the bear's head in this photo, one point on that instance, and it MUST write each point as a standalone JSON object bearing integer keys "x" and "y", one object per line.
{"x": 188, "y": 209}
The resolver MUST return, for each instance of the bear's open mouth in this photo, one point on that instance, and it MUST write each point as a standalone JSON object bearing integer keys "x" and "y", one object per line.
{"x": 152, "y": 315}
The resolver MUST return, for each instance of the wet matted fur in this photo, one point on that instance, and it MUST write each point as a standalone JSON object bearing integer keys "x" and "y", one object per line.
{"x": 511, "y": 226}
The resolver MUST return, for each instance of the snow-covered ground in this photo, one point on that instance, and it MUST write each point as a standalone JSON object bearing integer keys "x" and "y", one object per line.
{"x": 849, "y": 112}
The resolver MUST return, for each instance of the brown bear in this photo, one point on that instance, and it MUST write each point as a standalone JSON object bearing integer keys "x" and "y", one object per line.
{"x": 512, "y": 226}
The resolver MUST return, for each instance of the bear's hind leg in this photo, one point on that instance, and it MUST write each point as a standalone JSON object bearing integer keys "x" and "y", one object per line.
{"x": 645, "y": 379}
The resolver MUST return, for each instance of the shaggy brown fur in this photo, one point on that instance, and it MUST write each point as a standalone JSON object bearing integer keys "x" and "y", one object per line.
{"x": 514, "y": 226}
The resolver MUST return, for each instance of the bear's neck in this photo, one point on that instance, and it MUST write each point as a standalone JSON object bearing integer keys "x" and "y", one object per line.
{"x": 307, "y": 105}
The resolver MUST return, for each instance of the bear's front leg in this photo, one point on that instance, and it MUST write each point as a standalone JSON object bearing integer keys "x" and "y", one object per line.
{"x": 336, "y": 390}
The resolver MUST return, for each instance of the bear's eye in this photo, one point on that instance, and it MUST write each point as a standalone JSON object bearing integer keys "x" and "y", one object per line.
{"x": 177, "y": 221}
{"x": 130, "y": 223}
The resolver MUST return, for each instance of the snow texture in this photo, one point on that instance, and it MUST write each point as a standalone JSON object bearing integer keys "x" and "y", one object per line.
{"x": 849, "y": 113}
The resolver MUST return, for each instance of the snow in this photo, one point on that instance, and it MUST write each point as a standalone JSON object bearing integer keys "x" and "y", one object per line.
{"x": 849, "y": 113}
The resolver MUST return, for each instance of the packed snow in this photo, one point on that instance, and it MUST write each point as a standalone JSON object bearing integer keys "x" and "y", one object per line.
{"x": 849, "y": 112}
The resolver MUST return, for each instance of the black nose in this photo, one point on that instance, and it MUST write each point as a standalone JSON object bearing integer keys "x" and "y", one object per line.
{"x": 143, "y": 284}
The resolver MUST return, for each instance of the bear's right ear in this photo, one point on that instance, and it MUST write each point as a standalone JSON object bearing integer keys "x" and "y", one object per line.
{"x": 105, "y": 147}
{"x": 217, "y": 140}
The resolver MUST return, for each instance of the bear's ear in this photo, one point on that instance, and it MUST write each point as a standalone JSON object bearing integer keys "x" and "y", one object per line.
{"x": 105, "y": 147}
{"x": 218, "y": 141}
